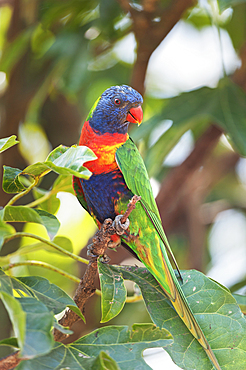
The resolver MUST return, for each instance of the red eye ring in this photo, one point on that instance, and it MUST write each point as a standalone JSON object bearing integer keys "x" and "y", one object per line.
{"x": 117, "y": 101}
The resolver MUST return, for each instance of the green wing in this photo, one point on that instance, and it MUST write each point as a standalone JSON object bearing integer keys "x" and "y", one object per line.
{"x": 136, "y": 177}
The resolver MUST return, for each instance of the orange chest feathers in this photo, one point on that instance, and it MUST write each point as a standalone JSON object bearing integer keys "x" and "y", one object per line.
{"x": 104, "y": 146}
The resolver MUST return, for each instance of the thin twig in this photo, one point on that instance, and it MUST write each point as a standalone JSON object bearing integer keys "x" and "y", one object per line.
{"x": 26, "y": 191}
{"x": 41, "y": 264}
{"x": 48, "y": 242}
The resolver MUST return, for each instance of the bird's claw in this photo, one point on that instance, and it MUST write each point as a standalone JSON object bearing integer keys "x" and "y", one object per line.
{"x": 90, "y": 251}
{"x": 119, "y": 227}
{"x": 104, "y": 258}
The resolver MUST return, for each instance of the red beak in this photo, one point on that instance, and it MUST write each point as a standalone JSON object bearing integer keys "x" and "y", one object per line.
{"x": 135, "y": 115}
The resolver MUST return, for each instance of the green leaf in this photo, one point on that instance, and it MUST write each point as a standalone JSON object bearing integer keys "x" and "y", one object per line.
{"x": 113, "y": 292}
{"x": 5, "y": 283}
{"x": 215, "y": 310}
{"x": 241, "y": 301}
{"x": 53, "y": 297}
{"x": 231, "y": 114}
{"x": 39, "y": 321}
{"x": 64, "y": 161}
{"x": 51, "y": 203}
{"x": 42, "y": 40}
{"x": 63, "y": 242}
{"x": 11, "y": 182}
{"x": 122, "y": 345}
{"x": 61, "y": 328}
{"x": 31, "y": 319}
{"x": 5, "y": 230}
{"x": 7, "y": 142}
{"x": 17, "y": 316}
{"x": 15, "y": 50}
{"x": 25, "y": 214}
{"x": 63, "y": 183}
{"x": 12, "y": 342}
{"x": 225, "y": 106}
{"x": 104, "y": 362}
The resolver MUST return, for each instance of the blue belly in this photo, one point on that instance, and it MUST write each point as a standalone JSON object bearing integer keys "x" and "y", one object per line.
{"x": 102, "y": 192}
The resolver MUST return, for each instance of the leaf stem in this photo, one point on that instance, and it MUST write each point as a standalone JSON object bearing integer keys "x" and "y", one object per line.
{"x": 45, "y": 241}
{"x": 20, "y": 195}
{"x": 41, "y": 264}
{"x": 39, "y": 200}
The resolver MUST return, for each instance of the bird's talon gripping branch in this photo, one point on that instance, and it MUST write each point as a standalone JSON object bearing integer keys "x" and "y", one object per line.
{"x": 105, "y": 258}
{"x": 120, "y": 227}
{"x": 90, "y": 253}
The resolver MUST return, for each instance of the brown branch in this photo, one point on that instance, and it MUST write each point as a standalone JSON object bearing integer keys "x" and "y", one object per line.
{"x": 10, "y": 362}
{"x": 131, "y": 206}
{"x": 86, "y": 288}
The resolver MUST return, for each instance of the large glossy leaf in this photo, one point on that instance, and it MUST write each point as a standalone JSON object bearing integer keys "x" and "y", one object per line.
{"x": 31, "y": 319}
{"x": 215, "y": 309}
{"x": 53, "y": 297}
{"x": 39, "y": 322}
{"x": 17, "y": 317}
{"x": 25, "y": 214}
{"x": 7, "y": 142}
{"x": 124, "y": 346}
{"x": 64, "y": 161}
{"x": 113, "y": 292}
{"x": 31, "y": 303}
{"x": 16, "y": 314}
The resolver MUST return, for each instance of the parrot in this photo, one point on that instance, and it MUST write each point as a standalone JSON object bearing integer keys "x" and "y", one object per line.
{"x": 118, "y": 174}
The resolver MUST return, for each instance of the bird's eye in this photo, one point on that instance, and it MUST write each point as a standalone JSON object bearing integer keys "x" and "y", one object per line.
{"x": 117, "y": 101}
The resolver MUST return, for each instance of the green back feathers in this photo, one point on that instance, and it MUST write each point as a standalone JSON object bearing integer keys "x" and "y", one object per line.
{"x": 136, "y": 177}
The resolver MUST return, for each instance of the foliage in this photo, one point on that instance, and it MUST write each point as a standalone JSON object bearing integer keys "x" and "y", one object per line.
{"x": 32, "y": 303}
{"x": 59, "y": 57}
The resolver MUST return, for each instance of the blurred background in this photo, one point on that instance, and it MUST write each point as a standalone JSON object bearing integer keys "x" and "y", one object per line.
{"x": 188, "y": 59}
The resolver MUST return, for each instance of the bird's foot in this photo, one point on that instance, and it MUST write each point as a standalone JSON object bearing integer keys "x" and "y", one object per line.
{"x": 104, "y": 258}
{"x": 90, "y": 251}
{"x": 119, "y": 227}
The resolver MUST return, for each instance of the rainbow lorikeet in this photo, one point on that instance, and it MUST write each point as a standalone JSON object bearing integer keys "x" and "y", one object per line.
{"x": 118, "y": 174}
